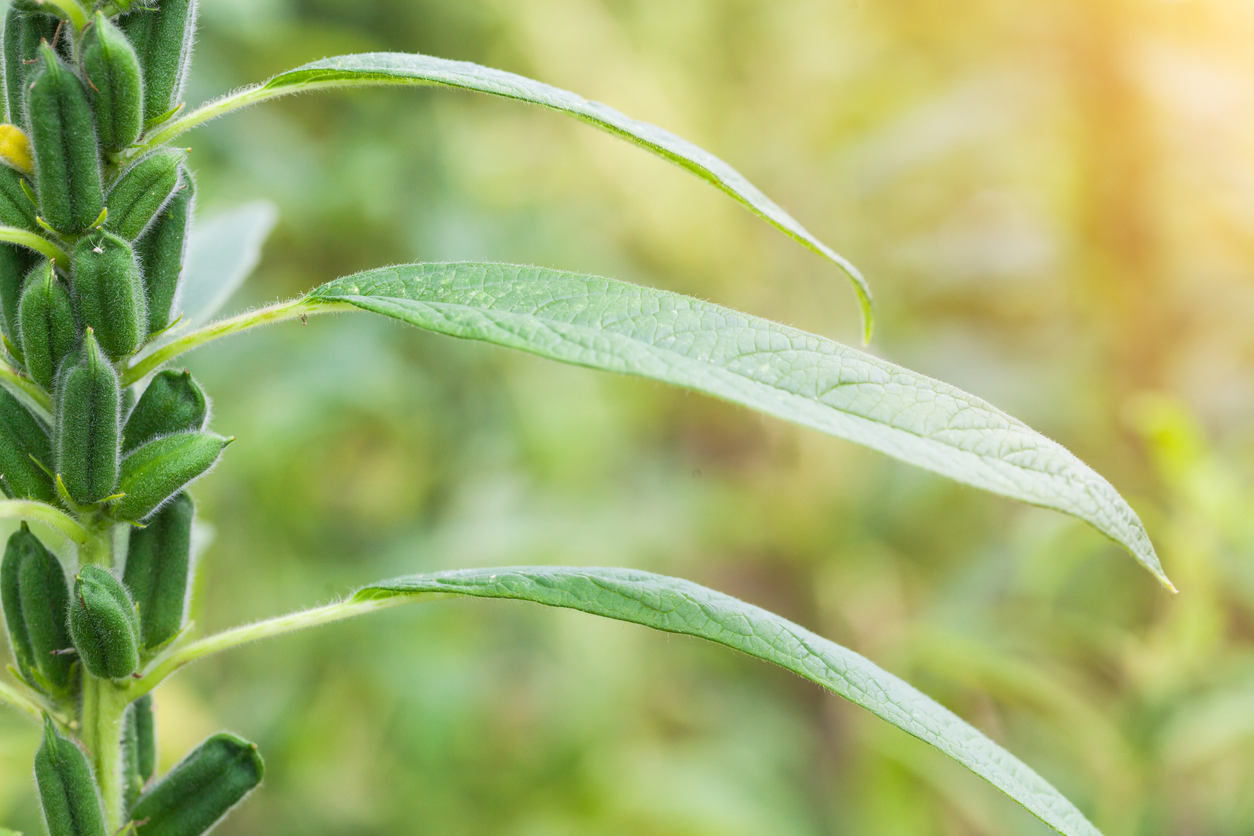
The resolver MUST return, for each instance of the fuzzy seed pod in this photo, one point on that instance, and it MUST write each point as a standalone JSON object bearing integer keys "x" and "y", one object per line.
{"x": 49, "y": 329}
{"x": 145, "y": 737}
{"x": 163, "y": 39}
{"x": 110, "y": 64}
{"x": 203, "y": 788}
{"x": 15, "y": 207}
{"x": 67, "y": 159}
{"x": 162, "y": 249}
{"x": 138, "y": 750}
{"x": 23, "y": 32}
{"x": 142, "y": 190}
{"x": 103, "y": 624}
{"x": 158, "y": 470}
{"x": 15, "y": 263}
{"x": 158, "y": 568}
{"x": 172, "y": 403}
{"x": 67, "y": 791}
{"x": 87, "y": 441}
{"x": 24, "y": 446}
{"x": 35, "y": 600}
{"x": 110, "y": 292}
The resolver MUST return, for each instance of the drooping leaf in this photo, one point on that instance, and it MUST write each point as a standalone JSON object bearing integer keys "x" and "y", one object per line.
{"x": 223, "y": 251}
{"x": 800, "y": 377}
{"x": 678, "y": 606}
{"x": 398, "y": 68}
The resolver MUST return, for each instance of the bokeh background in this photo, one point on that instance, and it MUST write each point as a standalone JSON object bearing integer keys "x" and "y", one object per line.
{"x": 1054, "y": 201}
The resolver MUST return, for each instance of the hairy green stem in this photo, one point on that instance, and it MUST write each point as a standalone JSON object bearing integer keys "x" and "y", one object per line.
{"x": 28, "y": 388}
{"x": 173, "y": 659}
{"x": 265, "y": 316}
{"x": 38, "y": 243}
{"x": 210, "y": 110}
{"x": 104, "y": 707}
{"x": 14, "y": 698}
{"x": 28, "y": 509}
{"x": 247, "y": 97}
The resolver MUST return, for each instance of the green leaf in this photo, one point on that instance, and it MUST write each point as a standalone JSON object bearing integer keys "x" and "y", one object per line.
{"x": 221, "y": 254}
{"x": 678, "y": 606}
{"x": 398, "y": 68}
{"x": 800, "y": 377}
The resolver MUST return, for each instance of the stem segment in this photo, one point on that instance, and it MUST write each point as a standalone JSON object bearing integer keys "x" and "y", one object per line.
{"x": 38, "y": 243}
{"x": 104, "y": 706}
{"x": 26, "y": 509}
{"x": 265, "y": 316}
{"x": 170, "y": 661}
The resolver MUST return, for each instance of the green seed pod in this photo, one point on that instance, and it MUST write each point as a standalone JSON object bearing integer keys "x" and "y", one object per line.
{"x": 162, "y": 250}
{"x": 139, "y": 754}
{"x": 103, "y": 624}
{"x": 49, "y": 329}
{"x": 24, "y": 446}
{"x": 142, "y": 190}
{"x": 23, "y": 33}
{"x": 203, "y": 788}
{"x": 112, "y": 67}
{"x": 110, "y": 292}
{"x": 172, "y": 403}
{"x": 158, "y": 568}
{"x": 63, "y": 136}
{"x": 86, "y": 440}
{"x": 145, "y": 737}
{"x": 67, "y": 791}
{"x": 155, "y": 472}
{"x": 15, "y": 207}
{"x": 35, "y": 600}
{"x": 15, "y": 263}
{"x": 163, "y": 41}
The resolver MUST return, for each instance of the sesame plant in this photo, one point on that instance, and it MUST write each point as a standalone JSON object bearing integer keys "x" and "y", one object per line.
{"x": 100, "y": 439}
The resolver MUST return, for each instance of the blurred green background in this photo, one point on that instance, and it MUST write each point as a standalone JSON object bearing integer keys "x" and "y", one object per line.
{"x": 1054, "y": 201}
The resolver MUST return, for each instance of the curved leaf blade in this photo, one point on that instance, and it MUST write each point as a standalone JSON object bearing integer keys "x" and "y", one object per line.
{"x": 399, "y": 68}
{"x": 781, "y": 371}
{"x": 677, "y": 606}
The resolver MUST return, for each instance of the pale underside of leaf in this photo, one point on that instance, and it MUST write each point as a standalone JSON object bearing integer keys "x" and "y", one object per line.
{"x": 396, "y": 68}
{"x": 677, "y": 606}
{"x": 790, "y": 374}
{"x": 223, "y": 250}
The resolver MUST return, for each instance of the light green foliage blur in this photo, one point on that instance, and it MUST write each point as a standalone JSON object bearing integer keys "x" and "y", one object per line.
{"x": 1052, "y": 201}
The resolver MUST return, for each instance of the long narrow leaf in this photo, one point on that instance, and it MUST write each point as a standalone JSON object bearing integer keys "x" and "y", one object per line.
{"x": 399, "y": 68}
{"x": 800, "y": 377}
{"x": 678, "y": 606}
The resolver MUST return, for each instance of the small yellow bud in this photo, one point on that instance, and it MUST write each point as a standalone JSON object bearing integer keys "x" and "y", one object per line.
{"x": 15, "y": 149}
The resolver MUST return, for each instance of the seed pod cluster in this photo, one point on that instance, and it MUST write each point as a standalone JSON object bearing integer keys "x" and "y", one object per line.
{"x": 114, "y": 216}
